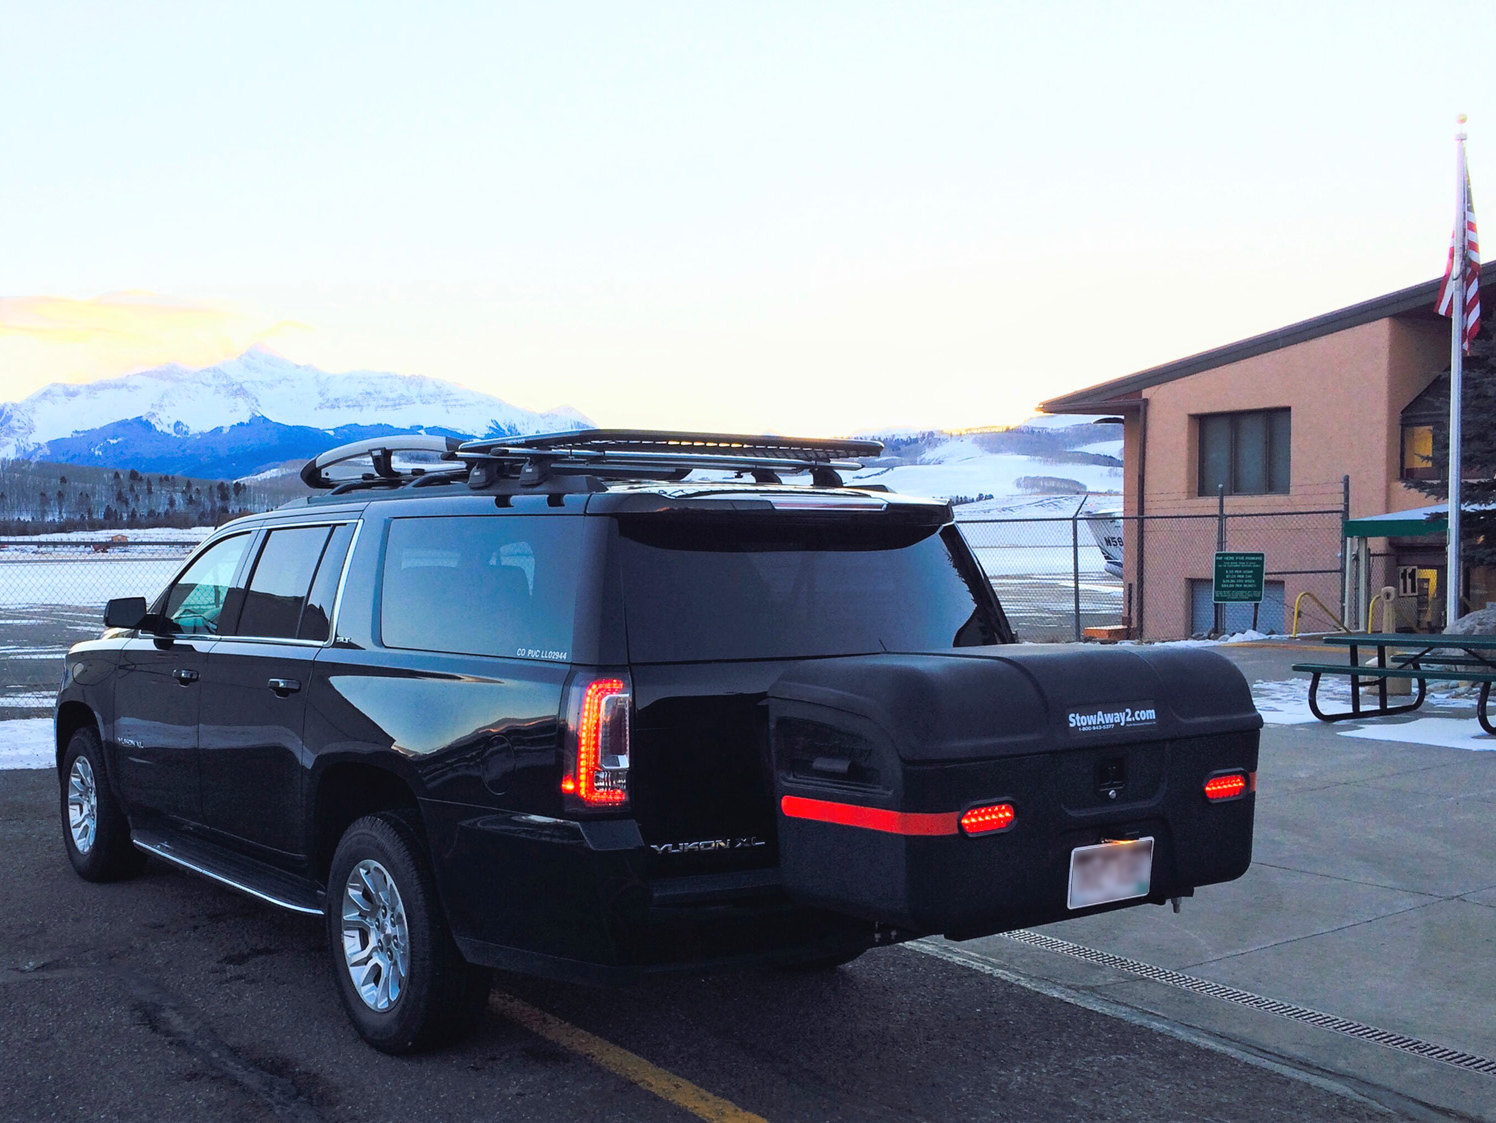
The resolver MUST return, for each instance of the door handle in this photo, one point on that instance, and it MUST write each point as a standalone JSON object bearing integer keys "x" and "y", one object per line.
{"x": 185, "y": 675}
{"x": 285, "y": 686}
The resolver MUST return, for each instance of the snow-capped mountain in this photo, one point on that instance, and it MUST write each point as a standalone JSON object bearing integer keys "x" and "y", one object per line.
{"x": 242, "y": 416}
{"x": 252, "y": 415}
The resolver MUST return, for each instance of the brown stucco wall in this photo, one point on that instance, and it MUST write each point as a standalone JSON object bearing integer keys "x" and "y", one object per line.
{"x": 1346, "y": 391}
{"x": 1417, "y": 351}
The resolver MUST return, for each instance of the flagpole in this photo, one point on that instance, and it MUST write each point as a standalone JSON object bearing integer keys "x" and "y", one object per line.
{"x": 1453, "y": 570}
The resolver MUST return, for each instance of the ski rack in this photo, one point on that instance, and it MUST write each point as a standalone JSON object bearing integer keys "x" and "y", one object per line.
{"x": 553, "y": 461}
{"x": 381, "y": 453}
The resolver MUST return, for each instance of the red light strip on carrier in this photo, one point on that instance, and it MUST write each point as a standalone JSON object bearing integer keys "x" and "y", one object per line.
{"x": 872, "y": 818}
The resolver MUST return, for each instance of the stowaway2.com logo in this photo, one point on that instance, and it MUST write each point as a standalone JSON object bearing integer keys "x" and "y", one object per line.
{"x": 1103, "y": 718}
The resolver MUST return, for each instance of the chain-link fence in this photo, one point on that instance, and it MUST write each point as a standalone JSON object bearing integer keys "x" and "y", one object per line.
{"x": 1151, "y": 577}
{"x": 52, "y": 594}
{"x": 1146, "y": 577}
{"x": 1050, "y": 574}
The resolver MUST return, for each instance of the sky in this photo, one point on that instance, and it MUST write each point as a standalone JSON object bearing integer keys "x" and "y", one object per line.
{"x": 791, "y": 217}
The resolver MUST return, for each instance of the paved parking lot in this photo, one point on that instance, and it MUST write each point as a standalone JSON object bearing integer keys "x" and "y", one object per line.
{"x": 170, "y": 998}
{"x": 1324, "y": 984}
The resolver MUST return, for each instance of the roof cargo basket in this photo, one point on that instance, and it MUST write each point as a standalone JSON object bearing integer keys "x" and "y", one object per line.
{"x": 661, "y": 455}
{"x": 553, "y": 461}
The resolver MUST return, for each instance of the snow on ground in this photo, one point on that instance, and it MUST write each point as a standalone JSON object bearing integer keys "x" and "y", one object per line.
{"x": 278, "y": 472}
{"x": 1024, "y": 507}
{"x": 27, "y": 743}
{"x": 1249, "y": 636}
{"x": 1445, "y": 732}
{"x": 959, "y": 467}
{"x": 1287, "y": 703}
{"x": 87, "y": 580}
{"x": 190, "y": 534}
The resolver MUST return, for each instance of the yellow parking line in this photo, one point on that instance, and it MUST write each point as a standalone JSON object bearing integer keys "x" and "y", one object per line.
{"x": 669, "y": 1087}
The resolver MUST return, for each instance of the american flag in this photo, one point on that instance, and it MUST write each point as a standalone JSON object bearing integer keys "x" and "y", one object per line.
{"x": 1472, "y": 273}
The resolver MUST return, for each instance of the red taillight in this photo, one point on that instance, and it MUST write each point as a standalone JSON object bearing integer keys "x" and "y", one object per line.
{"x": 598, "y": 774}
{"x": 1227, "y": 786}
{"x": 986, "y": 820}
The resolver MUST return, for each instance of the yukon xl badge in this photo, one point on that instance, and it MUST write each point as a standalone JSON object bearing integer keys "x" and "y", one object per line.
{"x": 1100, "y": 719}
{"x": 749, "y": 843}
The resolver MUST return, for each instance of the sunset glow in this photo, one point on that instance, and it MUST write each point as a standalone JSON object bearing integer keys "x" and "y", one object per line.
{"x": 764, "y": 218}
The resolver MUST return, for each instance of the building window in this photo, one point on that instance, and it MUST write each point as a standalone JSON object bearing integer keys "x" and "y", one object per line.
{"x": 1246, "y": 453}
{"x": 1418, "y": 453}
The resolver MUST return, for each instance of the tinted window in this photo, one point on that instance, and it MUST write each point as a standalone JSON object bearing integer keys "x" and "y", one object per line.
{"x": 481, "y": 585}
{"x": 694, "y": 591}
{"x": 1245, "y": 453}
{"x": 1215, "y": 453}
{"x": 317, "y": 615}
{"x": 278, "y": 587}
{"x": 195, "y": 603}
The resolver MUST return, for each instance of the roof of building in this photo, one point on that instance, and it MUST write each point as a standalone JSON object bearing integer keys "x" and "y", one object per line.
{"x": 1122, "y": 393}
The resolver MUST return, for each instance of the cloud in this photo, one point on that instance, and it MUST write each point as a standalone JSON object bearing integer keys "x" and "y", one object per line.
{"x": 112, "y": 318}
{"x": 65, "y": 339}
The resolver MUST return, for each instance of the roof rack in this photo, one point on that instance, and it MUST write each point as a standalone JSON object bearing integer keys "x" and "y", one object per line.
{"x": 660, "y": 455}
{"x": 527, "y": 463}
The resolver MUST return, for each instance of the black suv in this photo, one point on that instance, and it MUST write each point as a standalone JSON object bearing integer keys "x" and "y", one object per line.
{"x": 562, "y": 705}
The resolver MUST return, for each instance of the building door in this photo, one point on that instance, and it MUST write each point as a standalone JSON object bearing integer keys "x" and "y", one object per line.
{"x": 1430, "y": 615}
{"x": 1238, "y": 617}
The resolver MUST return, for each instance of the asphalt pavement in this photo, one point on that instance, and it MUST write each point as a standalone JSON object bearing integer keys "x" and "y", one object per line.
{"x": 170, "y": 998}
{"x": 1349, "y": 975}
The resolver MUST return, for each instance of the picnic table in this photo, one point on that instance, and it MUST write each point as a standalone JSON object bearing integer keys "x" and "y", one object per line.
{"x": 1422, "y": 658}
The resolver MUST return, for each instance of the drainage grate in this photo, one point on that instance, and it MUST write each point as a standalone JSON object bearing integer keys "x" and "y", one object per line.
{"x": 1470, "y": 1062}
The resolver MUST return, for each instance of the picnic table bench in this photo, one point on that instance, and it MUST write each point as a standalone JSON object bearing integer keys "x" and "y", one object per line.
{"x": 1423, "y": 658}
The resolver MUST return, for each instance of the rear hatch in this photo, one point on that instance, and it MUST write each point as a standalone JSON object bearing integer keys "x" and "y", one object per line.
{"x": 725, "y": 594}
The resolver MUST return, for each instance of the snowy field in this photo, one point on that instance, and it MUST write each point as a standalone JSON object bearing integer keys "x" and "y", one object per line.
{"x": 40, "y": 543}
{"x": 85, "y": 580}
{"x": 960, "y": 467}
{"x": 26, "y": 743}
{"x": 45, "y": 569}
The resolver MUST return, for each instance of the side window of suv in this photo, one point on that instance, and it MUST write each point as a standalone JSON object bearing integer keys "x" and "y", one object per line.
{"x": 316, "y": 617}
{"x": 481, "y": 585}
{"x": 277, "y": 599}
{"x": 195, "y": 603}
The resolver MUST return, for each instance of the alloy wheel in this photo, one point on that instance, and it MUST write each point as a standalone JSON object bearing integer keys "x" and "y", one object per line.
{"x": 83, "y": 805}
{"x": 376, "y": 936}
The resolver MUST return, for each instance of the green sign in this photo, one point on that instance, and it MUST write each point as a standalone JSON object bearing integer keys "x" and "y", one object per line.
{"x": 1238, "y": 577}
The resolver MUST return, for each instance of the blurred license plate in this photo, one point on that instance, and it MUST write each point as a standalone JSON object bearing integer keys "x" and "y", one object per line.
{"x": 1112, "y": 871}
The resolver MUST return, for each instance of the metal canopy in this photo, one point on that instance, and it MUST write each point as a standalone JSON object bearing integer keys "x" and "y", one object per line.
{"x": 1419, "y": 522}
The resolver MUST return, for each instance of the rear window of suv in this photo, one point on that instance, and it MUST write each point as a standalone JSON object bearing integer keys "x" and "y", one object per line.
{"x": 762, "y": 589}
{"x": 481, "y": 585}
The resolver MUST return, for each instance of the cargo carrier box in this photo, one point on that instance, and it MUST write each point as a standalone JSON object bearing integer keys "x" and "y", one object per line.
{"x": 989, "y": 789}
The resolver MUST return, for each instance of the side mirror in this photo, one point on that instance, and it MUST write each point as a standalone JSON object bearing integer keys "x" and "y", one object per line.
{"x": 124, "y": 612}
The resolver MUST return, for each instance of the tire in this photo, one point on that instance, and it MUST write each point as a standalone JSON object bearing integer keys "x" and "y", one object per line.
{"x": 401, "y": 978}
{"x": 95, "y": 832}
